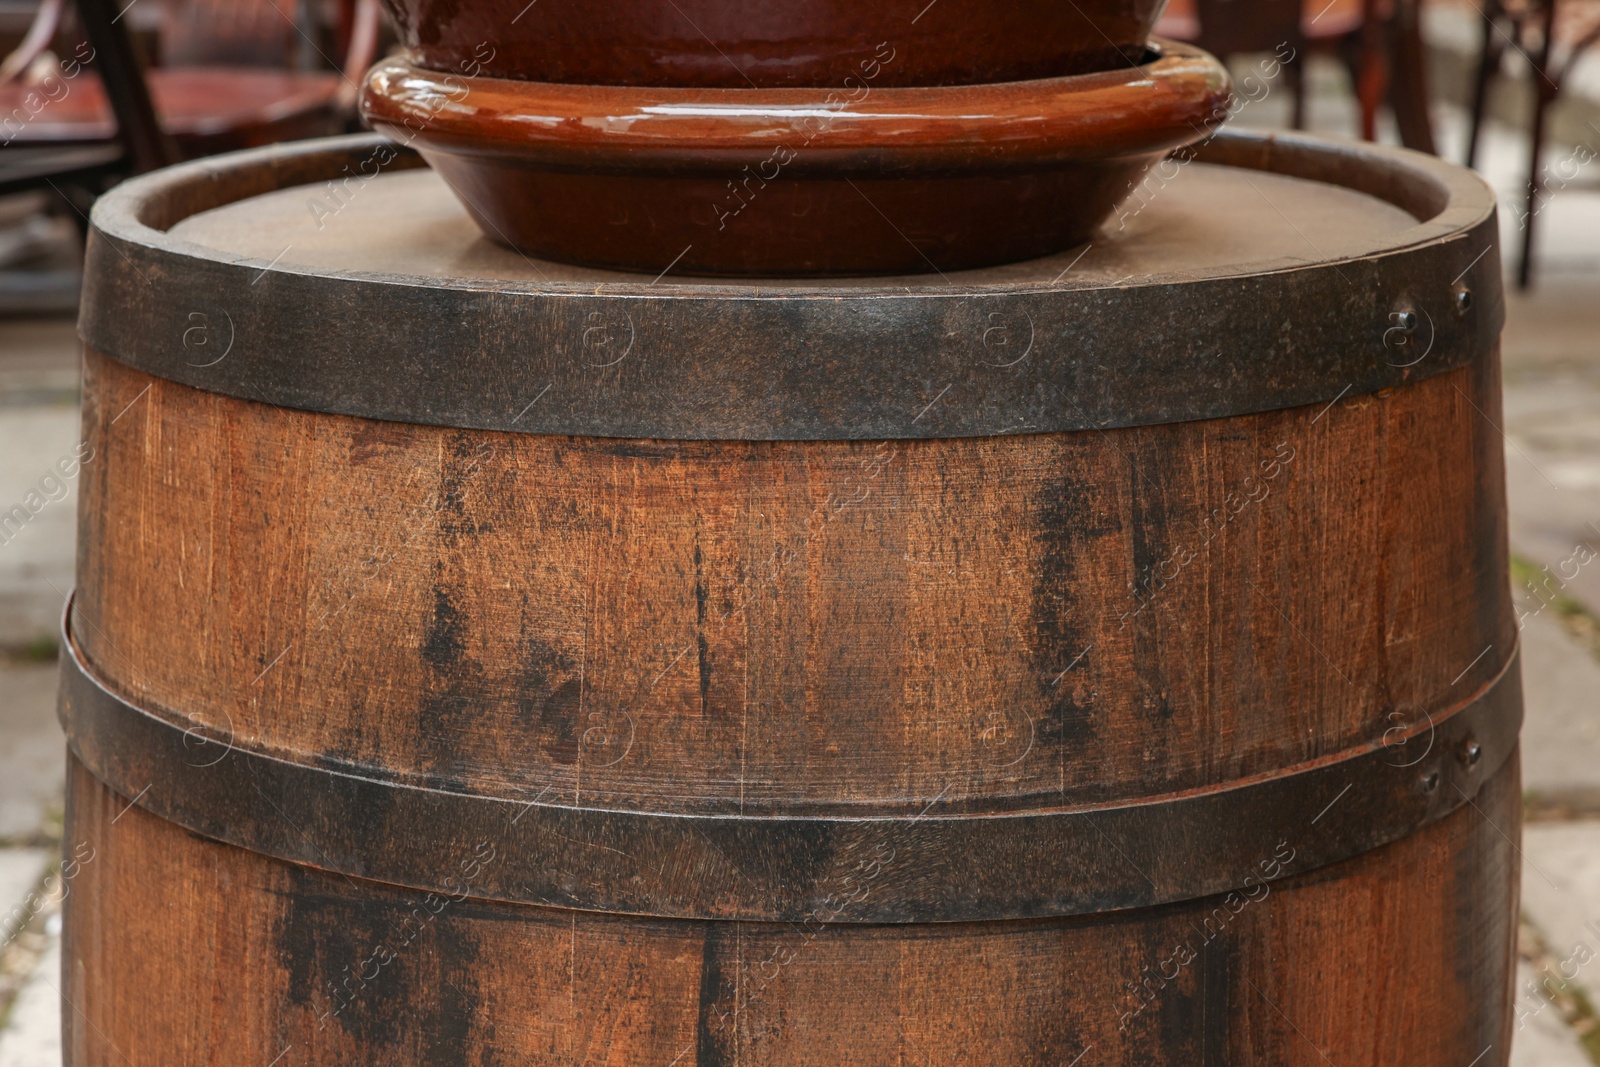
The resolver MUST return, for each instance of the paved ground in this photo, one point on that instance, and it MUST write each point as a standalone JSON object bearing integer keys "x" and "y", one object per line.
{"x": 39, "y": 416}
{"x": 1552, "y": 425}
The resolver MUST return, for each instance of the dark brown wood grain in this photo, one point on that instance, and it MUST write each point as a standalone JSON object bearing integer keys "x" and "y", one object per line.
{"x": 1003, "y": 623}
{"x": 802, "y": 622}
{"x": 932, "y": 866}
{"x": 181, "y": 950}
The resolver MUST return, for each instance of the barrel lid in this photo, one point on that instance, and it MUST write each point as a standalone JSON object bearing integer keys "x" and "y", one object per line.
{"x": 339, "y": 276}
{"x": 1205, "y": 223}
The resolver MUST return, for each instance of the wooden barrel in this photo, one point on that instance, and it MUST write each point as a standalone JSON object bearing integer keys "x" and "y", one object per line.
{"x": 1105, "y": 659}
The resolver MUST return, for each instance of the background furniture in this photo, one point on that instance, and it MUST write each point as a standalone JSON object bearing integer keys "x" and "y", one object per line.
{"x": 130, "y": 141}
{"x": 232, "y": 76}
{"x": 1551, "y": 35}
{"x": 80, "y": 111}
{"x": 1379, "y": 41}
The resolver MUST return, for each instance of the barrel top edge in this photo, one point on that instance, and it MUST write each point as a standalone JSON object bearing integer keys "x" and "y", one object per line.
{"x": 723, "y": 361}
{"x": 141, "y": 212}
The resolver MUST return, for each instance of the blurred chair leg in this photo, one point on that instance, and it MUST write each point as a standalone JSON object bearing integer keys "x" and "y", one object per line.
{"x": 1294, "y": 73}
{"x": 1372, "y": 78}
{"x": 129, "y": 94}
{"x": 1535, "y": 192}
{"x": 1408, "y": 86}
{"x": 1488, "y": 66}
{"x": 1544, "y": 93}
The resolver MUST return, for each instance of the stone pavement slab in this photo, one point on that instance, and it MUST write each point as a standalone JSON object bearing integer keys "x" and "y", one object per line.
{"x": 1541, "y": 1038}
{"x": 32, "y": 1037}
{"x": 1561, "y": 729}
{"x": 32, "y": 750}
{"x": 39, "y": 372}
{"x": 1561, "y": 896}
{"x": 21, "y": 871}
{"x": 1553, "y": 478}
{"x": 38, "y": 511}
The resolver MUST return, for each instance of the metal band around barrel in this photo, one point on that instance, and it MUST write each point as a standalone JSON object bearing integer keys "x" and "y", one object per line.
{"x": 713, "y": 360}
{"x": 928, "y": 868}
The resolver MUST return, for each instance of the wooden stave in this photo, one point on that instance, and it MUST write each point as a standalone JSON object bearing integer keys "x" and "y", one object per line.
{"x": 940, "y": 868}
{"x": 1488, "y": 1003}
{"x": 181, "y": 949}
{"x": 1457, "y": 619}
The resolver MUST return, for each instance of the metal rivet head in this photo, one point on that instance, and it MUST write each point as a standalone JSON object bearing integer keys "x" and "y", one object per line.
{"x": 1406, "y": 319}
{"x": 1471, "y": 752}
{"x": 1430, "y": 781}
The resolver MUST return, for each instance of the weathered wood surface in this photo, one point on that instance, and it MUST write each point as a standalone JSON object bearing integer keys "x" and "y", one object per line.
{"x": 313, "y": 277}
{"x": 183, "y": 951}
{"x": 972, "y": 624}
{"x": 785, "y": 868}
{"x": 952, "y": 625}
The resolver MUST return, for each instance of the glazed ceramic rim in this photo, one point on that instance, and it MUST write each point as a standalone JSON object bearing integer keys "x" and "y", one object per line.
{"x": 1176, "y": 97}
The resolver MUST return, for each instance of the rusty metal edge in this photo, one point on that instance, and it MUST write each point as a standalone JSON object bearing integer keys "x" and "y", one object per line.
{"x": 720, "y": 361}
{"x": 925, "y": 868}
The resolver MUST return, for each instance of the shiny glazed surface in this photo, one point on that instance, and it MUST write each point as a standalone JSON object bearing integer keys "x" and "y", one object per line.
{"x": 775, "y": 43}
{"x": 782, "y": 181}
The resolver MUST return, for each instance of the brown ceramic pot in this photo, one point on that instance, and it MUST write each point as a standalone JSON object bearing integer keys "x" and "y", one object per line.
{"x": 790, "y": 181}
{"x": 741, "y": 45}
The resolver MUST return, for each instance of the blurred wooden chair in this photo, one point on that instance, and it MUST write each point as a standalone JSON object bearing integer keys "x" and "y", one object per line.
{"x": 1380, "y": 41}
{"x": 80, "y": 171}
{"x": 234, "y": 33}
{"x": 1551, "y": 35}
{"x": 227, "y": 79}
